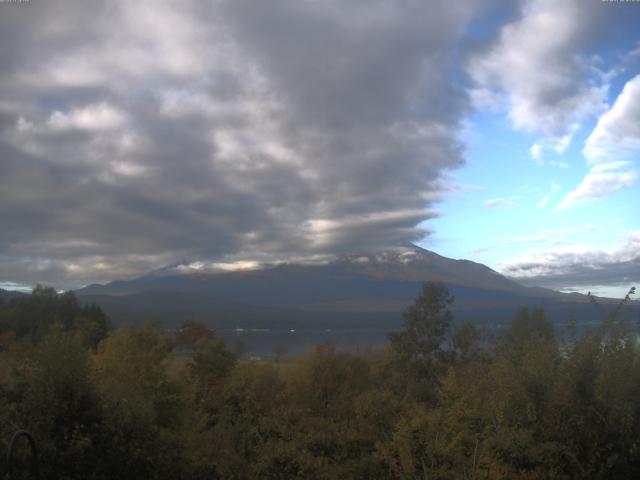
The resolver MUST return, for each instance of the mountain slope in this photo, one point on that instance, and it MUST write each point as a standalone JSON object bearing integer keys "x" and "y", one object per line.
{"x": 352, "y": 290}
{"x": 8, "y": 295}
{"x": 381, "y": 275}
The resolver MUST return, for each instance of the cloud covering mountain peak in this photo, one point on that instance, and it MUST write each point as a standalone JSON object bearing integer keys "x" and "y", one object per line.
{"x": 229, "y": 131}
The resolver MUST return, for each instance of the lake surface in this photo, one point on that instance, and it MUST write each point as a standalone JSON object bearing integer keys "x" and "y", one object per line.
{"x": 262, "y": 342}
{"x": 266, "y": 342}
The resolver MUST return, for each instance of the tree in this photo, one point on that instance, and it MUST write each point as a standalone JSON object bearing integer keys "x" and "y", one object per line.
{"x": 142, "y": 406}
{"x": 48, "y": 391}
{"x": 211, "y": 364}
{"x": 418, "y": 346}
{"x": 191, "y": 334}
{"x": 530, "y": 326}
{"x": 280, "y": 351}
{"x": 34, "y": 315}
{"x": 465, "y": 341}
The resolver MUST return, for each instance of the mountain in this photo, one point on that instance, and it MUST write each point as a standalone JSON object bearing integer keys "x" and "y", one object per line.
{"x": 369, "y": 289}
{"x": 8, "y": 295}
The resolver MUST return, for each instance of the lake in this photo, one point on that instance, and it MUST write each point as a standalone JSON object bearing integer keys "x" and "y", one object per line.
{"x": 264, "y": 341}
{"x": 261, "y": 342}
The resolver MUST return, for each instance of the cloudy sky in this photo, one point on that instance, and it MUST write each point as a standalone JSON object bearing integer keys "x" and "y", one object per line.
{"x": 227, "y": 133}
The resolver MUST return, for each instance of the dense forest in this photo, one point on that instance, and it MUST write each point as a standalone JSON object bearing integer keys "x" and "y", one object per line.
{"x": 441, "y": 402}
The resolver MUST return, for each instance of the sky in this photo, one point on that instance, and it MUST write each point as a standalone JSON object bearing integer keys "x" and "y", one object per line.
{"x": 227, "y": 134}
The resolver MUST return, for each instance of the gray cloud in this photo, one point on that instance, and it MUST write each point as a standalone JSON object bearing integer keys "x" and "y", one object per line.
{"x": 136, "y": 134}
{"x": 535, "y": 70}
{"x": 578, "y": 266}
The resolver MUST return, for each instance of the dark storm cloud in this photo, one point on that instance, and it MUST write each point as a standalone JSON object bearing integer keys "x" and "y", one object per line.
{"x": 135, "y": 134}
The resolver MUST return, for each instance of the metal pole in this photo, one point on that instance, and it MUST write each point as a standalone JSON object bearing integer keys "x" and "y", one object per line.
{"x": 34, "y": 451}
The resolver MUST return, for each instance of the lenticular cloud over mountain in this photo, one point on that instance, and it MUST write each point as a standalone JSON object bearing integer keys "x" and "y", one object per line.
{"x": 145, "y": 133}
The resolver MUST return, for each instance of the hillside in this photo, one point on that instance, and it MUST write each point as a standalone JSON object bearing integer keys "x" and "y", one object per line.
{"x": 354, "y": 290}
{"x": 8, "y": 295}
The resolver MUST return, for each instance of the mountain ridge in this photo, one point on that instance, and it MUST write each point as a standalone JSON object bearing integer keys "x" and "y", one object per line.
{"x": 354, "y": 287}
{"x": 401, "y": 264}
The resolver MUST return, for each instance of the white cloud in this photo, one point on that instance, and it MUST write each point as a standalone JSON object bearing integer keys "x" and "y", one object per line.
{"x": 536, "y": 67}
{"x": 536, "y": 71}
{"x": 536, "y": 152}
{"x": 501, "y": 202}
{"x": 617, "y": 133}
{"x": 551, "y": 236}
{"x": 99, "y": 116}
{"x": 557, "y": 145}
{"x": 543, "y": 202}
{"x": 127, "y": 169}
{"x": 559, "y": 164}
{"x": 609, "y": 166}
{"x": 218, "y": 266}
{"x": 485, "y": 99}
{"x": 451, "y": 187}
{"x": 598, "y": 184}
